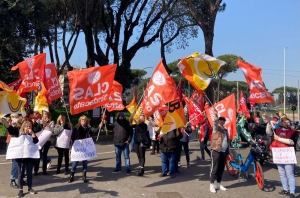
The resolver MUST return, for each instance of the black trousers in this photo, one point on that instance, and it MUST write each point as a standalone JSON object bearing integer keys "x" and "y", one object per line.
{"x": 25, "y": 165}
{"x": 140, "y": 152}
{"x": 185, "y": 146}
{"x": 203, "y": 147}
{"x": 44, "y": 153}
{"x": 61, "y": 153}
{"x": 218, "y": 160}
{"x": 155, "y": 146}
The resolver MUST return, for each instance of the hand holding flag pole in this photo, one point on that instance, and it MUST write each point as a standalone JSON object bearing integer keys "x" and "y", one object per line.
{"x": 103, "y": 114}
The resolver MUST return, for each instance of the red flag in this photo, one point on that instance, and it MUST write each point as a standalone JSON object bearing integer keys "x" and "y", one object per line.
{"x": 179, "y": 90}
{"x": 253, "y": 75}
{"x": 243, "y": 106}
{"x": 227, "y": 109}
{"x": 51, "y": 83}
{"x": 194, "y": 113}
{"x": 32, "y": 72}
{"x": 160, "y": 90}
{"x": 15, "y": 86}
{"x": 90, "y": 88}
{"x": 198, "y": 99}
{"x": 115, "y": 102}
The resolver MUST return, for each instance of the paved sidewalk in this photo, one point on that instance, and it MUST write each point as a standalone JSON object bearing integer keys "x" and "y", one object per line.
{"x": 190, "y": 183}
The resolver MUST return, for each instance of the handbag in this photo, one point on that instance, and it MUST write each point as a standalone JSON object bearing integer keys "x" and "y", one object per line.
{"x": 144, "y": 141}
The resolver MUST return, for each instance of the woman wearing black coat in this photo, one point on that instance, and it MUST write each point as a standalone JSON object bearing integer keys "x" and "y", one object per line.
{"x": 142, "y": 141}
{"x": 81, "y": 131}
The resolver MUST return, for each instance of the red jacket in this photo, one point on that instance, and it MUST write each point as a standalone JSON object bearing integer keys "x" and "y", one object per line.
{"x": 288, "y": 134}
{"x": 203, "y": 132}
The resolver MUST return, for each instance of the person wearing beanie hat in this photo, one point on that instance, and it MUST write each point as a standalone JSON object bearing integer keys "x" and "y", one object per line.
{"x": 122, "y": 138}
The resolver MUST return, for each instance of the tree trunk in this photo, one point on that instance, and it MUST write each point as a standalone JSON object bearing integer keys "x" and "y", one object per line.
{"x": 50, "y": 49}
{"x": 208, "y": 38}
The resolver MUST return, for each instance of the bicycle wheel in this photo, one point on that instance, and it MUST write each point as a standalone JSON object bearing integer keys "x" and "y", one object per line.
{"x": 259, "y": 176}
{"x": 230, "y": 169}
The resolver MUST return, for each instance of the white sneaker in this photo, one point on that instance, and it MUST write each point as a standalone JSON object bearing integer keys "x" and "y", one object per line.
{"x": 49, "y": 164}
{"x": 212, "y": 188}
{"x": 220, "y": 187}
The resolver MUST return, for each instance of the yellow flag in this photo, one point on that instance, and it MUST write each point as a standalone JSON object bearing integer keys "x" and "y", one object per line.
{"x": 40, "y": 103}
{"x": 11, "y": 103}
{"x": 175, "y": 117}
{"x": 199, "y": 69}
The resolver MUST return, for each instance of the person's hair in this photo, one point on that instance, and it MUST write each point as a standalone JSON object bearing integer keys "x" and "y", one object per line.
{"x": 29, "y": 112}
{"x": 59, "y": 117}
{"x": 80, "y": 118}
{"x": 26, "y": 123}
{"x": 43, "y": 118}
{"x": 14, "y": 115}
{"x": 284, "y": 119}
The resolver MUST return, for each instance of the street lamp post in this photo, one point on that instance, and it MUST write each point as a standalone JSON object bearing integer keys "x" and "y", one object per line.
{"x": 284, "y": 96}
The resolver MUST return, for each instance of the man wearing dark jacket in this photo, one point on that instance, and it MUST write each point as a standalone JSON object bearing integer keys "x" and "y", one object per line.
{"x": 169, "y": 149}
{"x": 122, "y": 138}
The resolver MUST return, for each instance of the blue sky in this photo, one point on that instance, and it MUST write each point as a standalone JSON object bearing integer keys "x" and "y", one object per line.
{"x": 257, "y": 30}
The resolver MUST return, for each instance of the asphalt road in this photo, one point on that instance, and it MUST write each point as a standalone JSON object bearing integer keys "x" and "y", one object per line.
{"x": 190, "y": 183}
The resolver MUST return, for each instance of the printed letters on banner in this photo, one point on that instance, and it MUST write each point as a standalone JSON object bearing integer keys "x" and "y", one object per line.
{"x": 227, "y": 109}
{"x": 52, "y": 83}
{"x": 83, "y": 150}
{"x": 284, "y": 155}
{"x": 90, "y": 88}
{"x": 115, "y": 102}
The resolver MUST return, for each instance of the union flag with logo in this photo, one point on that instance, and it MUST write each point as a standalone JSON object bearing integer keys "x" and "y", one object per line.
{"x": 199, "y": 69}
{"x": 10, "y": 101}
{"x": 253, "y": 75}
{"x": 32, "y": 72}
{"x": 51, "y": 83}
{"x": 115, "y": 102}
{"x": 90, "y": 88}
{"x": 160, "y": 90}
{"x": 227, "y": 109}
{"x": 175, "y": 117}
{"x": 243, "y": 106}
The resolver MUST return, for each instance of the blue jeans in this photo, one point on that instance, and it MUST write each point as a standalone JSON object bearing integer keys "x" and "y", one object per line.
{"x": 14, "y": 170}
{"x": 84, "y": 166}
{"x": 125, "y": 150}
{"x": 132, "y": 139}
{"x": 286, "y": 173}
{"x": 168, "y": 162}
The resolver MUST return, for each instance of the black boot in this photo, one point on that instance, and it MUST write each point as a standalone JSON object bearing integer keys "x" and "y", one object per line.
{"x": 84, "y": 177}
{"x": 141, "y": 172}
{"x": 71, "y": 177}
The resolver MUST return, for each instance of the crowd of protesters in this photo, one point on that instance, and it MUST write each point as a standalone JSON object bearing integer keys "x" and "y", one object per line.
{"x": 145, "y": 134}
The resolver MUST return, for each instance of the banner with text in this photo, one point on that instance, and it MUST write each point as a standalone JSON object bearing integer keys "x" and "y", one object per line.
{"x": 63, "y": 139}
{"x": 83, "y": 150}
{"x": 284, "y": 155}
{"x": 22, "y": 147}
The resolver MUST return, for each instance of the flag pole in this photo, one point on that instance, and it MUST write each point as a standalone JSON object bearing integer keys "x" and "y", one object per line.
{"x": 64, "y": 104}
{"x": 103, "y": 113}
